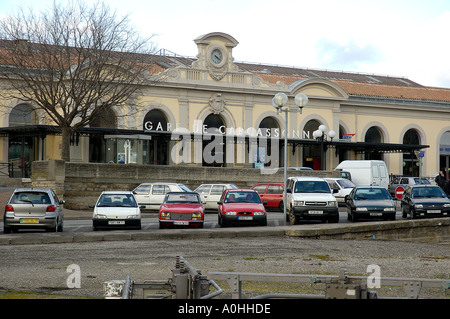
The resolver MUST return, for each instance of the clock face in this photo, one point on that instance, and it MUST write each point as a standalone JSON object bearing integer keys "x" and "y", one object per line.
{"x": 216, "y": 56}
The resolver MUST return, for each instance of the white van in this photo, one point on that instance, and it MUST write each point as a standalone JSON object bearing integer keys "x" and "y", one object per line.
{"x": 366, "y": 173}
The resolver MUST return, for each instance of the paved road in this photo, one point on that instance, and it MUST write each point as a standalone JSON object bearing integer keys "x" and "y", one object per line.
{"x": 150, "y": 221}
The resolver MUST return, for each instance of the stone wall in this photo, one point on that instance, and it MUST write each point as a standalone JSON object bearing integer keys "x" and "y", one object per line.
{"x": 80, "y": 184}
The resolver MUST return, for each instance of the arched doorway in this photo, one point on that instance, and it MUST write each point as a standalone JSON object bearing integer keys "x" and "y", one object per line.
{"x": 156, "y": 150}
{"x": 312, "y": 153}
{"x": 444, "y": 153}
{"x": 268, "y": 128}
{"x": 410, "y": 161}
{"x": 213, "y": 142}
{"x": 373, "y": 135}
{"x": 22, "y": 148}
{"x": 97, "y": 143}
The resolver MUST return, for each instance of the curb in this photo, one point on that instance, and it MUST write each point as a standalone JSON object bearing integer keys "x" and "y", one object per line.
{"x": 428, "y": 230}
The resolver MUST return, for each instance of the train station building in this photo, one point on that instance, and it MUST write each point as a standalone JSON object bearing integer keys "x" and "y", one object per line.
{"x": 211, "y": 110}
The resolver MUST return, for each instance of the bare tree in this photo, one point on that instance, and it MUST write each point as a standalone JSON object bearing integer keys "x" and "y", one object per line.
{"x": 72, "y": 61}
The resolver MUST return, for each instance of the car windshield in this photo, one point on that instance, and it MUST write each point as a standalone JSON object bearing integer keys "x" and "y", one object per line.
{"x": 242, "y": 197}
{"x": 427, "y": 192}
{"x": 182, "y": 198}
{"x": 30, "y": 198}
{"x": 116, "y": 200}
{"x": 421, "y": 181}
{"x": 345, "y": 183}
{"x": 311, "y": 187}
{"x": 371, "y": 194}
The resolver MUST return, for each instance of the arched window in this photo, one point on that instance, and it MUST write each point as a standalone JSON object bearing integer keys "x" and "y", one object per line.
{"x": 155, "y": 120}
{"x": 373, "y": 135}
{"x": 213, "y": 149}
{"x": 410, "y": 161}
{"x": 22, "y": 114}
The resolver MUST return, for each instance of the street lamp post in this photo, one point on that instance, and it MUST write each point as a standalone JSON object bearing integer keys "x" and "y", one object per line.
{"x": 320, "y": 136}
{"x": 278, "y": 101}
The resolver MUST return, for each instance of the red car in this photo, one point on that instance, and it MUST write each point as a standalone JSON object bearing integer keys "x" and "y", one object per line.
{"x": 241, "y": 206}
{"x": 181, "y": 209}
{"x": 271, "y": 194}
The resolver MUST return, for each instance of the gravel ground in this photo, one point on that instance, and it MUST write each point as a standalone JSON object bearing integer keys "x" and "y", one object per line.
{"x": 43, "y": 268}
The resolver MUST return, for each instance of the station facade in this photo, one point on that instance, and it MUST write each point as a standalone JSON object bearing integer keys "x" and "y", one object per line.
{"x": 213, "y": 111}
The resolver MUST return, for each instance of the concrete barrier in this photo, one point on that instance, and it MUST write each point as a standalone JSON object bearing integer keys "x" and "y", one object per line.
{"x": 424, "y": 230}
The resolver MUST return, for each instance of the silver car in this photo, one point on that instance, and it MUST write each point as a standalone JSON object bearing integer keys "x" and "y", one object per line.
{"x": 210, "y": 194}
{"x": 33, "y": 208}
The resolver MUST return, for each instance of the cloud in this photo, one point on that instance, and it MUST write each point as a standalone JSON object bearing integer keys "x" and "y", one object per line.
{"x": 348, "y": 55}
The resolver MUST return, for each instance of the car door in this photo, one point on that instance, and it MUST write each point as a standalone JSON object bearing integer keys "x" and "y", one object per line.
{"x": 157, "y": 195}
{"x": 203, "y": 191}
{"x": 142, "y": 194}
{"x": 261, "y": 190}
{"x": 273, "y": 195}
{"x": 214, "y": 196}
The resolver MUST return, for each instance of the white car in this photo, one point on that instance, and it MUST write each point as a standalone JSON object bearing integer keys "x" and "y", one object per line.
{"x": 210, "y": 194}
{"x": 150, "y": 196}
{"x": 116, "y": 209}
{"x": 343, "y": 185}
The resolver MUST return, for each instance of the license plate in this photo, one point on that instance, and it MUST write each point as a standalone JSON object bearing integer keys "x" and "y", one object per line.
{"x": 179, "y": 222}
{"x": 434, "y": 211}
{"x": 29, "y": 220}
{"x": 315, "y": 212}
{"x": 376, "y": 214}
{"x": 245, "y": 217}
{"x": 116, "y": 222}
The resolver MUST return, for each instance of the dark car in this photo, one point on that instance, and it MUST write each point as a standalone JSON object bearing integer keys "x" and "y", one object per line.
{"x": 405, "y": 181}
{"x": 33, "y": 208}
{"x": 241, "y": 206}
{"x": 368, "y": 202}
{"x": 424, "y": 201}
{"x": 271, "y": 194}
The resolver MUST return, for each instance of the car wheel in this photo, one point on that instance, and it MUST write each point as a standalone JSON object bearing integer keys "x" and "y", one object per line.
{"x": 354, "y": 217}
{"x": 281, "y": 206}
{"x": 53, "y": 229}
{"x": 6, "y": 230}
{"x": 61, "y": 227}
{"x": 292, "y": 219}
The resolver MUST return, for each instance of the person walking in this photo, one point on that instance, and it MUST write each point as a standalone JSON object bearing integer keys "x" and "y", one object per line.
{"x": 440, "y": 179}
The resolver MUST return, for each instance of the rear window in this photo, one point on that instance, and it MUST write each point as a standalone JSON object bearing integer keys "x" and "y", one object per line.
{"x": 30, "y": 198}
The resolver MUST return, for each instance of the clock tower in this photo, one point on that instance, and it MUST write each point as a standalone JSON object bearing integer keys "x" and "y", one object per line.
{"x": 215, "y": 54}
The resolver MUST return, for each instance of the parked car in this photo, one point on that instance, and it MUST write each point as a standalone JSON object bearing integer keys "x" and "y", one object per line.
{"x": 343, "y": 186}
{"x": 299, "y": 168}
{"x": 424, "y": 201}
{"x": 181, "y": 209}
{"x": 210, "y": 194}
{"x": 150, "y": 196}
{"x": 271, "y": 194}
{"x": 116, "y": 209}
{"x": 241, "y": 206}
{"x": 33, "y": 208}
{"x": 366, "y": 172}
{"x": 405, "y": 181}
{"x": 310, "y": 198}
{"x": 366, "y": 202}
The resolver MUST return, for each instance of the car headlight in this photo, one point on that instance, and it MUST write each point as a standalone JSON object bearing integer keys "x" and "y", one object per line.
{"x": 197, "y": 215}
{"x": 418, "y": 205}
{"x": 99, "y": 216}
{"x": 299, "y": 203}
{"x": 361, "y": 209}
{"x": 446, "y": 205}
{"x": 258, "y": 213}
{"x": 230, "y": 213}
{"x": 133, "y": 216}
{"x": 332, "y": 204}
{"x": 389, "y": 209}
{"x": 165, "y": 215}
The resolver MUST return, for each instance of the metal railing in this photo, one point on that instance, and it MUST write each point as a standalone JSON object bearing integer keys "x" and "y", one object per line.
{"x": 339, "y": 287}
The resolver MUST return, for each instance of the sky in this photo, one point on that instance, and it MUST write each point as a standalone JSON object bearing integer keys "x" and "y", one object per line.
{"x": 402, "y": 38}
